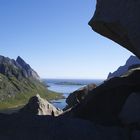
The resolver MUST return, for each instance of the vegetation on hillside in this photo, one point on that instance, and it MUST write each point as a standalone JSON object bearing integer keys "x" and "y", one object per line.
{"x": 14, "y": 92}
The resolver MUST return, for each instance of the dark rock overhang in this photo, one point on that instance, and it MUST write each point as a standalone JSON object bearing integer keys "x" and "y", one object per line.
{"x": 119, "y": 20}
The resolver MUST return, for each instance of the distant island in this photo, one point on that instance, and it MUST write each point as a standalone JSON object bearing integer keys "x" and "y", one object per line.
{"x": 68, "y": 83}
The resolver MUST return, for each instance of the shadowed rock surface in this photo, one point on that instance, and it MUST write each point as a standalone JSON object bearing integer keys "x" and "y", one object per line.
{"x": 77, "y": 96}
{"x": 17, "y": 127}
{"x": 119, "y": 21}
{"x": 130, "y": 113}
{"x": 40, "y": 106}
{"x": 104, "y": 103}
{"x": 96, "y": 117}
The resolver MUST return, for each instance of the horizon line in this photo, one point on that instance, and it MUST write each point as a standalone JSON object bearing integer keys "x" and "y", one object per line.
{"x": 76, "y": 78}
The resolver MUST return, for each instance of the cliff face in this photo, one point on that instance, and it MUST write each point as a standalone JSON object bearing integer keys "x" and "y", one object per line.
{"x": 19, "y": 68}
{"x": 10, "y": 67}
{"x": 119, "y": 20}
{"x": 131, "y": 63}
{"x": 27, "y": 71}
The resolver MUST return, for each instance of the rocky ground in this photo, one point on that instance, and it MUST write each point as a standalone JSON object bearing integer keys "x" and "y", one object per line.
{"x": 108, "y": 112}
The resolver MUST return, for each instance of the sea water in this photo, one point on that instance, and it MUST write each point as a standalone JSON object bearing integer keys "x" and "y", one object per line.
{"x": 67, "y": 86}
{"x": 62, "y": 86}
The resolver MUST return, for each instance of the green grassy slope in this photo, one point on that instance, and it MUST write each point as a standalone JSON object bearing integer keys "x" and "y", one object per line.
{"x": 14, "y": 92}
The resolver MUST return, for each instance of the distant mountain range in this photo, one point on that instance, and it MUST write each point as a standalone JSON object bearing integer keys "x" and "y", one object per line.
{"x": 18, "y": 68}
{"x": 131, "y": 63}
{"x": 18, "y": 82}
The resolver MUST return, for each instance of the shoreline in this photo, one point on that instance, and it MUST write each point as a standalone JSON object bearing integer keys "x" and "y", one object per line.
{"x": 14, "y": 109}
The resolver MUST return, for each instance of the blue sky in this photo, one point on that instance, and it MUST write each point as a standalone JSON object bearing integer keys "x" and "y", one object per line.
{"x": 55, "y": 39}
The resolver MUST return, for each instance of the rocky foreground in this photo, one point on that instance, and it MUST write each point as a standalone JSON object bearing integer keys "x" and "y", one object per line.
{"x": 110, "y": 111}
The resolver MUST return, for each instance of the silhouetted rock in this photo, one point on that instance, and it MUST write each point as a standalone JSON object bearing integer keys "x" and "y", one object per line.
{"x": 39, "y": 106}
{"x": 119, "y": 20}
{"x": 130, "y": 113}
{"x": 101, "y": 115}
{"x": 132, "y": 62}
{"x": 77, "y": 96}
{"x": 104, "y": 103}
{"x": 17, "y": 127}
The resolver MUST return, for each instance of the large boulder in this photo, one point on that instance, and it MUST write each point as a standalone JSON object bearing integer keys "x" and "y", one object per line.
{"x": 130, "y": 113}
{"x": 104, "y": 103}
{"x": 119, "y": 20}
{"x": 40, "y": 106}
{"x": 77, "y": 96}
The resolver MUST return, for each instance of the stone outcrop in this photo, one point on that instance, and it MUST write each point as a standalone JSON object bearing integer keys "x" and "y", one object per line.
{"x": 132, "y": 62}
{"x": 40, "y": 106}
{"x": 77, "y": 96}
{"x": 119, "y": 21}
{"x": 104, "y": 103}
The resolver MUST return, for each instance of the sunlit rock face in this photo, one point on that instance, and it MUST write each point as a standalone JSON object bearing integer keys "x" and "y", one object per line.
{"x": 39, "y": 106}
{"x": 79, "y": 95}
{"x": 119, "y": 20}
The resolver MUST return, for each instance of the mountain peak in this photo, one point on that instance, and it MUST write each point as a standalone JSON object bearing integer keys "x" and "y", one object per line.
{"x": 27, "y": 70}
{"x": 132, "y": 62}
{"x": 20, "y": 60}
{"x": 19, "y": 57}
{"x": 19, "y": 68}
